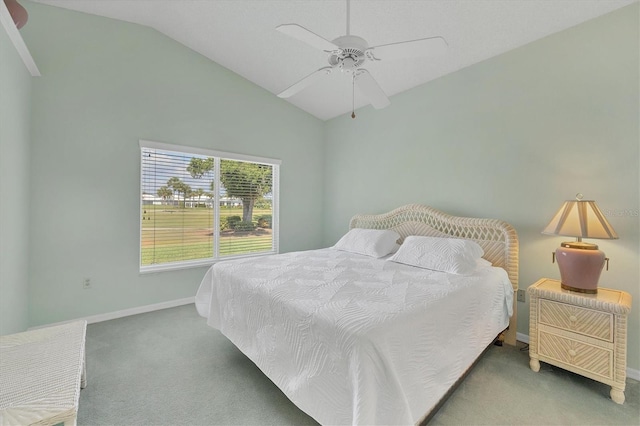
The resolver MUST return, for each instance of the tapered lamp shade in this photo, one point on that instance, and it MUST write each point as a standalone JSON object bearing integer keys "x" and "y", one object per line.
{"x": 580, "y": 219}
{"x": 580, "y": 263}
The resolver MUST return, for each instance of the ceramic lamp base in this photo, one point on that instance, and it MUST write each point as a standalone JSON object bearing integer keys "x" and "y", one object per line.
{"x": 580, "y": 269}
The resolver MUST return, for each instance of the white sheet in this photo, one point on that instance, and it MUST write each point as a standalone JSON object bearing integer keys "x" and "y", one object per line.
{"x": 352, "y": 339}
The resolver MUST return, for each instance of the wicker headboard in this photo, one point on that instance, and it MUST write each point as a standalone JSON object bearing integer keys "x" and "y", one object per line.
{"x": 497, "y": 238}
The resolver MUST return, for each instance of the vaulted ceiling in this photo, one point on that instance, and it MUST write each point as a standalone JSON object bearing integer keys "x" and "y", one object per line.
{"x": 240, "y": 35}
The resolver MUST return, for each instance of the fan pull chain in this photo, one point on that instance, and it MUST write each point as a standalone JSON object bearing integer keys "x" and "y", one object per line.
{"x": 353, "y": 96}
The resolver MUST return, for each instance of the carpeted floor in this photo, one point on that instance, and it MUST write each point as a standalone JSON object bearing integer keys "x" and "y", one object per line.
{"x": 169, "y": 368}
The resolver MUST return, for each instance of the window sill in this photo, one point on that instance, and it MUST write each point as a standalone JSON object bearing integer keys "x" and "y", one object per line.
{"x": 199, "y": 263}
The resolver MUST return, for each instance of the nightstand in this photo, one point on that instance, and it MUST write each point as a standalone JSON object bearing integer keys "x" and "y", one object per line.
{"x": 582, "y": 333}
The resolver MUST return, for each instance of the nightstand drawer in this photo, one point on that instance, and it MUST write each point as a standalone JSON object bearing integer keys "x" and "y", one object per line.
{"x": 591, "y": 358}
{"x": 581, "y": 320}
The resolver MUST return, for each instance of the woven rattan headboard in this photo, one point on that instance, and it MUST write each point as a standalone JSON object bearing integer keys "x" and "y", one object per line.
{"x": 497, "y": 238}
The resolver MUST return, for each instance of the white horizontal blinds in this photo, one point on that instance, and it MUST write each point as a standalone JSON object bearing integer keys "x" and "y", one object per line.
{"x": 246, "y": 197}
{"x": 198, "y": 206}
{"x": 176, "y": 207}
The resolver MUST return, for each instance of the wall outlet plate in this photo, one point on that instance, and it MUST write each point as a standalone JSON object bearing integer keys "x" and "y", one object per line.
{"x": 521, "y": 295}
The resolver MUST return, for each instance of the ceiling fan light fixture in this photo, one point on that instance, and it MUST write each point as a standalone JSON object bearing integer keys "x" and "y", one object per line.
{"x": 350, "y": 52}
{"x": 348, "y": 65}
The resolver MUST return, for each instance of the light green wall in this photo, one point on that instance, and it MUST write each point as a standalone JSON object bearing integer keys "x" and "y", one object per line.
{"x": 106, "y": 84}
{"x": 510, "y": 138}
{"x": 15, "y": 94}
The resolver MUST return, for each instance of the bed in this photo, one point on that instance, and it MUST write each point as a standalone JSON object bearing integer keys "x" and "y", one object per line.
{"x": 352, "y": 338}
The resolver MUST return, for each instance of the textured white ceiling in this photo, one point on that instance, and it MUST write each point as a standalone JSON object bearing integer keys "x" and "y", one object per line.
{"x": 240, "y": 35}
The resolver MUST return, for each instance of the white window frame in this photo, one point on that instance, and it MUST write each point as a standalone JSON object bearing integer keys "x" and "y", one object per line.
{"x": 217, "y": 155}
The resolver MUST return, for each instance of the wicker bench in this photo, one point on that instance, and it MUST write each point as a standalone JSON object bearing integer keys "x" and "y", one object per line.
{"x": 41, "y": 373}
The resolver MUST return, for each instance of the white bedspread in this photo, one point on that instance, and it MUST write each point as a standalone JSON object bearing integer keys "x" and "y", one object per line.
{"x": 351, "y": 339}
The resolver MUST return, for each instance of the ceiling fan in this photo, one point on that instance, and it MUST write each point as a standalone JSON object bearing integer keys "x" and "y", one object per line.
{"x": 349, "y": 52}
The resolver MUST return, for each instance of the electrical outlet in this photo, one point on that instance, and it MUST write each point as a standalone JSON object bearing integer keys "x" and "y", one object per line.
{"x": 521, "y": 295}
{"x": 86, "y": 283}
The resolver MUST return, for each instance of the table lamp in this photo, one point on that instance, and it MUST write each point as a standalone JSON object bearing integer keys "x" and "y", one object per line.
{"x": 580, "y": 263}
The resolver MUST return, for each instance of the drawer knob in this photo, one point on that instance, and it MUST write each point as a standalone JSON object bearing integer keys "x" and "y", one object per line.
{"x": 572, "y": 352}
{"x": 573, "y": 318}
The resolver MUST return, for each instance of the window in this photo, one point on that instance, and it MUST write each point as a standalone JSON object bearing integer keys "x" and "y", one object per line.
{"x": 198, "y": 206}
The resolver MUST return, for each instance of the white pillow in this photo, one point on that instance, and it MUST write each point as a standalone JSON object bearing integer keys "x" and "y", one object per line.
{"x": 370, "y": 242}
{"x": 453, "y": 255}
{"x": 483, "y": 262}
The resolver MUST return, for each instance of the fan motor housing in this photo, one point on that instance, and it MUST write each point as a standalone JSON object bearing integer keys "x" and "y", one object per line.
{"x": 350, "y": 55}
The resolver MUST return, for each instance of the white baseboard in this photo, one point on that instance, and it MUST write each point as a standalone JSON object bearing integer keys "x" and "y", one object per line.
{"x": 522, "y": 338}
{"x": 631, "y": 373}
{"x": 126, "y": 312}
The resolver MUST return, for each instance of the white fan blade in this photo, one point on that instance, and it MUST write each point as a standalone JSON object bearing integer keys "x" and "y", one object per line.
{"x": 303, "y": 34}
{"x": 371, "y": 89}
{"x": 408, "y": 49}
{"x": 305, "y": 82}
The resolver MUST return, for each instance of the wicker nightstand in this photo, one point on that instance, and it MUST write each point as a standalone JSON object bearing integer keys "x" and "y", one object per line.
{"x": 582, "y": 333}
